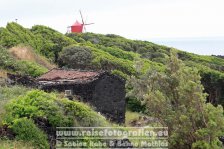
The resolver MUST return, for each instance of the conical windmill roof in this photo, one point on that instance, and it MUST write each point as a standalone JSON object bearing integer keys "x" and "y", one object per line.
{"x": 77, "y": 23}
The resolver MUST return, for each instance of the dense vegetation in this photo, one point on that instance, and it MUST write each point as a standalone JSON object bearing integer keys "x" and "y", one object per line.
{"x": 121, "y": 56}
{"x": 76, "y": 57}
{"x": 53, "y": 41}
{"x": 176, "y": 98}
{"x": 25, "y": 114}
{"x": 15, "y": 34}
{"x": 49, "y": 43}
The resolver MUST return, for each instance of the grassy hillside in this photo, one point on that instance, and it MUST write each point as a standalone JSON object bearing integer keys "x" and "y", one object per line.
{"x": 110, "y": 52}
{"x": 14, "y": 34}
{"x": 210, "y": 67}
{"x": 116, "y": 50}
{"x": 34, "y": 51}
{"x": 23, "y": 66}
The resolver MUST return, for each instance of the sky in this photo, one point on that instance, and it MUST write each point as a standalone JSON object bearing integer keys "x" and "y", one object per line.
{"x": 151, "y": 20}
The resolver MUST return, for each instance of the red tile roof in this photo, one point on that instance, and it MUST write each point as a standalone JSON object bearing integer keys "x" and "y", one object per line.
{"x": 73, "y": 75}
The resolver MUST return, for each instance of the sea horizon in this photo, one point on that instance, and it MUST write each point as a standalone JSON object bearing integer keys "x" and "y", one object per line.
{"x": 196, "y": 45}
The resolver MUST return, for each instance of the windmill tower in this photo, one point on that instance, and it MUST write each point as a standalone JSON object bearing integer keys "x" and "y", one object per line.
{"x": 78, "y": 27}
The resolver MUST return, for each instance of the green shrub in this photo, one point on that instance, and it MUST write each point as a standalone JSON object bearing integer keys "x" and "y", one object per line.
{"x": 26, "y": 130}
{"x": 58, "y": 112}
{"x": 6, "y": 60}
{"x": 76, "y": 56}
{"x": 76, "y": 37}
{"x": 82, "y": 114}
{"x": 31, "y": 68}
{"x": 35, "y": 104}
{"x": 135, "y": 105}
{"x": 7, "y": 39}
{"x": 21, "y": 112}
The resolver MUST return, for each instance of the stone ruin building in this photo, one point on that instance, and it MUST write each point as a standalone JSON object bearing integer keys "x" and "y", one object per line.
{"x": 104, "y": 91}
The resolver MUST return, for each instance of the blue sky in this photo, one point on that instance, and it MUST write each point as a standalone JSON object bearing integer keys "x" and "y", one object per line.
{"x": 135, "y": 19}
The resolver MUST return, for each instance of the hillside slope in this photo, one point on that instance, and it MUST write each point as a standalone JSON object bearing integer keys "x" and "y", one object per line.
{"x": 34, "y": 51}
{"x": 115, "y": 53}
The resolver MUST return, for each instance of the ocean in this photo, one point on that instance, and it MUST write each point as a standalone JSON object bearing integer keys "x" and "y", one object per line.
{"x": 202, "y": 46}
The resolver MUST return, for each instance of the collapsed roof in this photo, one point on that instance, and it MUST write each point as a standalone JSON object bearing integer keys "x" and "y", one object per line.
{"x": 69, "y": 76}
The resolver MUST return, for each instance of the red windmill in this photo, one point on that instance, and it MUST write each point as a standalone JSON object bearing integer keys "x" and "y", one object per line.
{"x": 77, "y": 27}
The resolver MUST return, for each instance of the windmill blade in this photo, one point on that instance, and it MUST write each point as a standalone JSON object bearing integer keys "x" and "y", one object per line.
{"x": 89, "y": 23}
{"x": 85, "y": 24}
{"x": 81, "y": 17}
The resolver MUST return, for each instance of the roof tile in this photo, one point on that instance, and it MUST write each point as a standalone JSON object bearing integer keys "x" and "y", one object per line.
{"x": 70, "y": 74}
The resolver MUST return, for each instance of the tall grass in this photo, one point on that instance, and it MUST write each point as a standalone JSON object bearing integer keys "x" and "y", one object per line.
{"x": 22, "y": 52}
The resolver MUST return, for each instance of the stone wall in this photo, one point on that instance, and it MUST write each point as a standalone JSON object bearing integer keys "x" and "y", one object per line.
{"x": 106, "y": 94}
{"x": 109, "y": 98}
{"x": 24, "y": 80}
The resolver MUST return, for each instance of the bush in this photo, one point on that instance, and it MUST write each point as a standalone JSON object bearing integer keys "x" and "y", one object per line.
{"x": 76, "y": 56}
{"x": 76, "y": 37}
{"x": 135, "y": 105}
{"x": 39, "y": 106}
{"x": 6, "y": 60}
{"x": 31, "y": 68}
{"x": 35, "y": 104}
{"x": 82, "y": 114}
{"x": 58, "y": 112}
{"x": 26, "y": 130}
{"x": 7, "y": 39}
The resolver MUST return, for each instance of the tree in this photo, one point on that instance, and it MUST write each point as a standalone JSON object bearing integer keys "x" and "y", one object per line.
{"x": 176, "y": 98}
{"x": 76, "y": 57}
